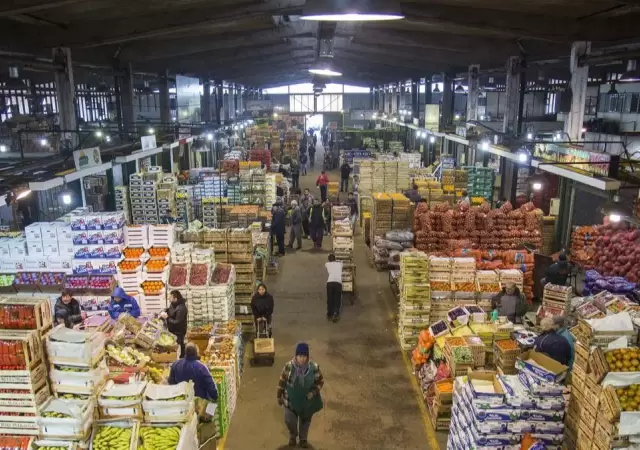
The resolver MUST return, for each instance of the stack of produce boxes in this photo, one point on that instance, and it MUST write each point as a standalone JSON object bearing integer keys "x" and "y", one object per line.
{"x": 240, "y": 248}
{"x": 184, "y": 206}
{"x": 505, "y": 353}
{"x": 166, "y": 195}
{"x": 365, "y": 185}
{"x": 463, "y": 276}
{"x": 491, "y": 410}
{"x": 23, "y": 378}
{"x": 604, "y": 385}
{"x": 122, "y": 202}
{"x": 270, "y": 189}
{"x": 342, "y": 244}
{"x": 217, "y": 240}
{"x": 442, "y": 297}
{"x": 144, "y": 205}
{"x": 488, "y": 283}
{"x": 209, "y": 209}
{"x": 415, "y": 297}
{"x": 400, "y": 211}
{"x": 555, "y": 300}
{"x": 403, "y": 179}
{"x": 480, "y": 184}
{"x": 439, "y": 404}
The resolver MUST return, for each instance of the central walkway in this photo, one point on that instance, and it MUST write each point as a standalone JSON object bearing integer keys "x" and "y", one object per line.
{"x": 369, "y": 399}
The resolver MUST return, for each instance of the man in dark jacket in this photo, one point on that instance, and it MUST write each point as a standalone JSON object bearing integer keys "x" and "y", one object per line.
{"x": 558, "y": 272}
{"x": 295, "y": 174}
{"x": 67, "y": 310}
{"x": 121, "y": 302}
{"x": 296, "y": 225}
{"x": 316, "y": 224}
{"x": 412, "y": 194}
{"x": 552, "y": 344}
{"x": 312, "y": 156}
{"x": 278, "y": 219}
{"x": 190, "y": 369}
{"x": 176, "y": 317}
{"x": 262, "y": 306}
{"x": 345, "y": 171}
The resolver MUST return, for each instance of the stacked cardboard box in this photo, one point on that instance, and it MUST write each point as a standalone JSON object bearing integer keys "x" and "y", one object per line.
{"x": 143, "y": 188}
{"x": 415, "y": 297}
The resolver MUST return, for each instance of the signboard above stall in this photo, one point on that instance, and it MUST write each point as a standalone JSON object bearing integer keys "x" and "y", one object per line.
{"x": 578, "y": 159}
{"x": 87, "y": 157}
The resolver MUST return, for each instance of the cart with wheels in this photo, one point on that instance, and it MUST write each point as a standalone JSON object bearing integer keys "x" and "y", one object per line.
{"x": 264, "y": 350}
{"x": 349, "y": 281}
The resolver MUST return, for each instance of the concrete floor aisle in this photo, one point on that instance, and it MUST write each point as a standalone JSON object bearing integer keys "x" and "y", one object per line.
{"x": 370, "y": 402}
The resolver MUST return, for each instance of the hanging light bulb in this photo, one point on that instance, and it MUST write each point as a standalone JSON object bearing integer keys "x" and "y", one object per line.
{"x": 98, "y": 133}
{"x": 432, "y": 139}
{"x": 151, "y": 131}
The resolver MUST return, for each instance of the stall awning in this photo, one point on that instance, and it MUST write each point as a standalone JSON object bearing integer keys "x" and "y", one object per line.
{"x": 602, "y": 183}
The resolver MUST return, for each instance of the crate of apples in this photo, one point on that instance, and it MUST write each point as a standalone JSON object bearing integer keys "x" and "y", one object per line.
{"x": 152, "y": 287}
{"x": 100, "y": 283}
{"x": 27, "y": 278}
{"x": 129, "y": 265}
{"x": 156, "y": 265}
{"x": 76, "y": 282}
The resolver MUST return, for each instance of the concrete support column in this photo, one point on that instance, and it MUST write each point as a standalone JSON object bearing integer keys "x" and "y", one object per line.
{"x": 473, "y": 92}
{"x": 447, "y": 100}
{"x": 236, "y": 105}
{"x": 579, "y": 78}
{"x": 165, "y": 108}
{"x": 400, "y": 93}
{"x": 428, "y": 94}
{"x": 382, "y": 101}
{"x": 225, "y": 105}
{"x": 372, "y": 98}
{"x": 512, "y": 95}
{"x": 415, "y": 98}
{"x": 218, "y": 97}
{"x": 66, "y": 92}
{"x": 127, "y": 96}
{"x": 205, "y": 111}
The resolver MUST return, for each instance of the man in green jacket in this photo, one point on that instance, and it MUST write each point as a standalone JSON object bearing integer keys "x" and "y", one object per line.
{"x": 299, "y": 393}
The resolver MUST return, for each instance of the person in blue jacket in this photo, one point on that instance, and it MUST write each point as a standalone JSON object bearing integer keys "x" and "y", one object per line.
{"x": 190, "y": 369}
{"x": 121, "y": 302}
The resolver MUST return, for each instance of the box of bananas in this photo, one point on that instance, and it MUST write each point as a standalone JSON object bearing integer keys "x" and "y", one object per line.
{"x": 168, "y": 403}
{"x": 121, "y": 400}
{"x": 78, "y": 380}
{"x": 66, "y": 419}
{"x": 115, "y": 435}
{"x": 169, "y": 436}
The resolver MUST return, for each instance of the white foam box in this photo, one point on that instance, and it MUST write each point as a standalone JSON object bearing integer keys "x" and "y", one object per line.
{"x": 12, "y": 265}
{"x": 18, "y": 247}
{"x": 113, "y": 220}
{"x": 36, "y": 263}
{"x": 105, "y": 266}
{"x": 48, "y": 231}
{"x": 5, "y": 251}
{"x": 80, "y": 237}
{"x": 113, "y": 236}
{"x": 60, "y": 264}
{"x": 66, "y": 250}
{"x": 64, "y": 232}
{"x": 33, "y": 232}
{"x": 35, "y": 248}
{"x": 96, "y": 251}
{"x": 94, "y": 221}
{"x": 51, "y": 248}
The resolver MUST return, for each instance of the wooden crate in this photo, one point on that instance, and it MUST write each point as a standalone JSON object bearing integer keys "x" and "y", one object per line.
{"x": 22, "y": 349}
{"x": 38, "y": 317}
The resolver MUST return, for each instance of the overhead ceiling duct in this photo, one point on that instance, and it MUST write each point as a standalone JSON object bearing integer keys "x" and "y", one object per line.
{"x": 352, "y": 10}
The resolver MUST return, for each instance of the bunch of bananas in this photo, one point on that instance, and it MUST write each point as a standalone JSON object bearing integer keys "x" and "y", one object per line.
{"x": 55, "y": 414}
{"x": 159, "y": 438}
{"x": 112, "y": 438}
{"x": 128, "y": 397}
{"x": 156, "y": 374}
{"x": 73, "y": 396}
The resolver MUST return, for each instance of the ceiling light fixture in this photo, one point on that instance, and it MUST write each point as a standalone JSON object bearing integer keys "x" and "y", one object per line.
{"x": 324, "y": 70}
{"x": 459, "y": 88}
{"x": 484, "y": 145}
{"x": 436, "y": 90}
{"x": 612, "y": 89}
{"x": 616, "y": 210}
{"x": 352, "y": 10}
{"x": 536, "y": 186}
{"x": 432, "y": 139}
{"x": 632, "y": 73}
{"x": 24, "y": 193}
{"x": 3, "y": 148}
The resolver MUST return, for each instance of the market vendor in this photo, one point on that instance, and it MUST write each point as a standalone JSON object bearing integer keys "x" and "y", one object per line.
{"x": 552, "y": 344}
{"x": 560, "y": 323}
{"x": 510, "y": 303}
{"x": 176, "y": 317}
{"x": 190, "y": 369}
{"x": 121, "y": 302}
{"x": 262, "y": 306}
{"x": 558, "y": 272}
{"x": 67, "y": 310}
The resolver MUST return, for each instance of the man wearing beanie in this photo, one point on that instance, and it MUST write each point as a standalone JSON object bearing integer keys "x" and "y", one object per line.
{"x": 299, "y": 393}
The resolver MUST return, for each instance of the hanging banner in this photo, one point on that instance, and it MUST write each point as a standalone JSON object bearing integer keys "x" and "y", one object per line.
{"x": 87, "y": 157}
{"x": 148, "y": 142}
{"x": 578, "y": 159}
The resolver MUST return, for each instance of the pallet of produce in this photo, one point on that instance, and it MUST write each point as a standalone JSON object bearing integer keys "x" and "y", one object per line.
{"x": 77, "y": 380}
{"x": 178, "y": 276}
{"x": 115, "y": 434}
{"x": 163, "y": 403}
{"x": 121, "y": 400}
{"x": 199, "y": 276}
{"x": 66, "y": 419}
{"x": 125, "y": 358}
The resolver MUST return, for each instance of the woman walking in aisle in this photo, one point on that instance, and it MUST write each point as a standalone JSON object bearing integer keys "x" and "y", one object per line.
{"x": 322, "y": 182}
{"x": 176, "y": 317}
{"x": 316, "y": 224}
{"x": 299, "y": 392}
{"x": 262, "y": 306}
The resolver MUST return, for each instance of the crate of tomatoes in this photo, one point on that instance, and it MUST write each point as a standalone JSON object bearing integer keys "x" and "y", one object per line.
{"x": 25, "y": 314}
{"x": 20, "y": 351}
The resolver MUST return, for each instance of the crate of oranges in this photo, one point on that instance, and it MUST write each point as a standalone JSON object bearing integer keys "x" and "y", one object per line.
{"x": 156, "y": 265}
{"x": 133, "y": 253}
{"x": 130, "y": 266}
{"x": 152, "y": 287}
{"x": 159, "y": 252}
